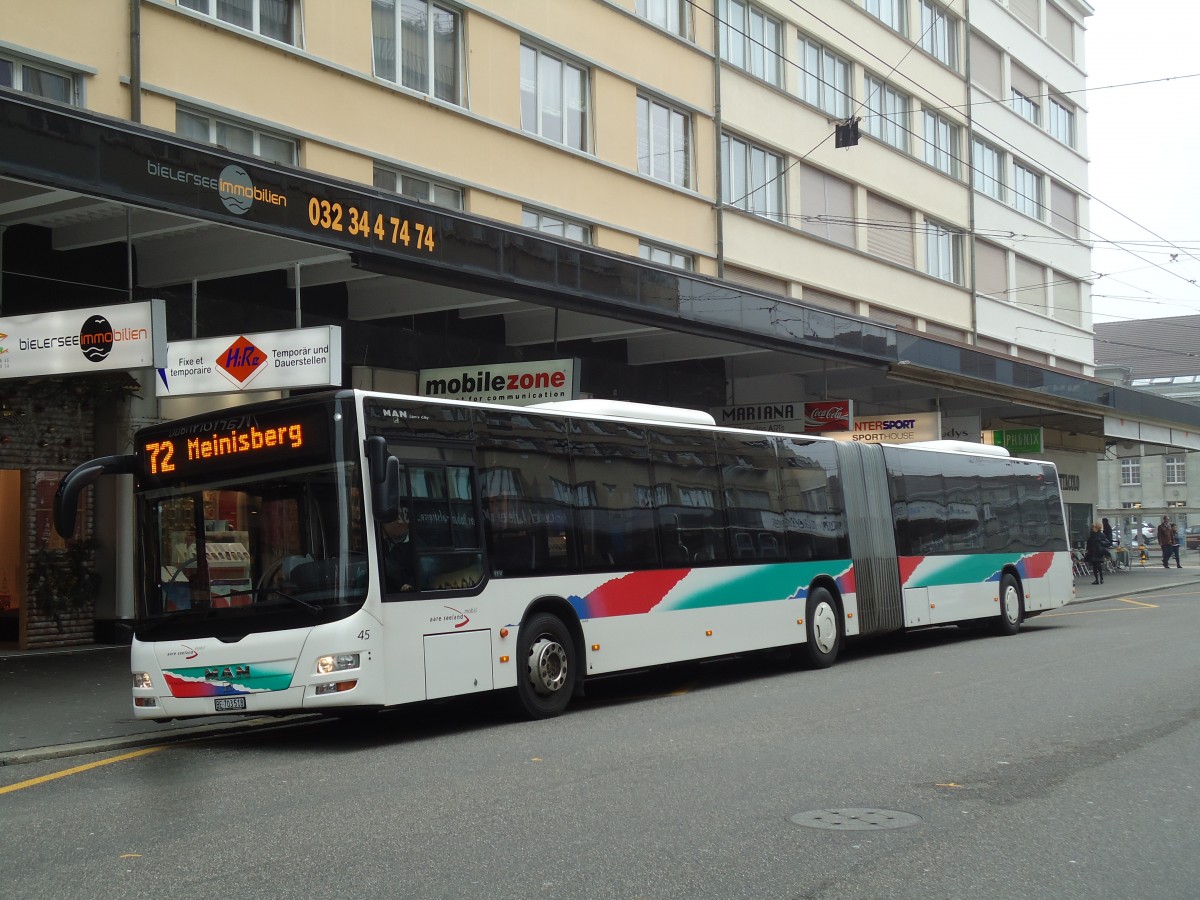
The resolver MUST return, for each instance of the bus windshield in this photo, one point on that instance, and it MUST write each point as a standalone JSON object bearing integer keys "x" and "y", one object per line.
{"x": 276, "y": 551}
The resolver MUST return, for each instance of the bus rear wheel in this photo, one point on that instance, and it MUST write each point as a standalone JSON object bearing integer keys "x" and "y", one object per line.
{"x": 1011, "y": 603}
{"x": 546, "y": 657}
{"x": 823, "y": 628}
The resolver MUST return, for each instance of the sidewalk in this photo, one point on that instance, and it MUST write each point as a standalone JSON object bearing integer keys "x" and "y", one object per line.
{"x": 58, "y": 703}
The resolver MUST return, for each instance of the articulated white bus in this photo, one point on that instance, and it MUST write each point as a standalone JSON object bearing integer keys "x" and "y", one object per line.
{"x": 546, "y": 545}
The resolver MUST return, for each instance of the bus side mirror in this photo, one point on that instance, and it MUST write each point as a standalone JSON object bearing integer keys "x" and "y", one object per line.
{"x": 66, "y": 498}
{"x": 384, "y": 470}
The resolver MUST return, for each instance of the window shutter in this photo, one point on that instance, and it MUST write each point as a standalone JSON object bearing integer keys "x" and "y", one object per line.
{"x": 991, "y": 270}
{"x": 813, "y": 297}
{"x": 1026, "y": 11}
{"x": 1030, "y": 293}
{"x": 890, "y": 230}
{"x": 987, "y": 70}
{"x": 1060, "y": 31}
{"x": 1066, "y": 299}
{"x": 1064, "y": 210}
{"x": 826, "y": 206}
{"x": 757, "y": 280}
{"x": 1026, "y": 82}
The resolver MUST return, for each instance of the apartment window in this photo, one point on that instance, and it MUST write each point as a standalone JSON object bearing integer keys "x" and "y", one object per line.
{"x": 1131, "y": 471}
{"x": 670, "y": 15}
{"x": 1062, "y": 122}
{"x": 991, "y": 270}
{"x": 550, "y": 223}
{"x": 1027, "y": 190}
{"x": 1064, "y": 208}
{"x": 892, "y": 13}
{"x": 939, "y": 33}
{"x": 1064, "y": 295}
{"x": 664, "y": 142}
{"x": 665, "y": 255}
{"x": 751, "y": 178}
{"x": 1175, "y": 469}
{"x": 941, "y": 143}
{"x": 824, "y": 79}
{"x": 553, "y": 98}
{"x": 38, "y": 79}
{"x": 270, "y": 18}
{"x": 943, "y": 252}
{"x": 236, "y": 136}
{"x": 751, "y": 40}
{"x": 430, "y": 35}
{"x": 1025, "y": 106}
{"x": 889, "y": 231}
{"x": 987, "y": 169}
{"x": 826, "y": 205}
{"x": 418, "y": 187}
{"x": 887, "y": 113}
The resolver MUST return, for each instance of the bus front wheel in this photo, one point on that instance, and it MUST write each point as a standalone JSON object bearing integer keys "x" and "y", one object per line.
{"x": 546, "y": 657}
{"x": 823, "y": 628}
{"x": 1011, "y": 603}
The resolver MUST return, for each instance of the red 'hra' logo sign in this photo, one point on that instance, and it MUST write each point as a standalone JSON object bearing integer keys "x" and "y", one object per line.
{"x": 242, "y": 360}
{"x": 827, "y": 415}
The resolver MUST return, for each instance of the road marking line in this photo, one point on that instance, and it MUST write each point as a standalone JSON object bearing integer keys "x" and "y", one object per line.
{"x": 1138, "y": 603}
{"x": 75, "y": 770}
{"x": 1088, "y": 612}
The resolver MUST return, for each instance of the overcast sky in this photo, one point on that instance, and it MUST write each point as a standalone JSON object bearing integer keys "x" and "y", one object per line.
{"x": 1145, "y": 157}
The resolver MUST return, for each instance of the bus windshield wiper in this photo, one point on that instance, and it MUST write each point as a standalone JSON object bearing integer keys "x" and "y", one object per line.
{"x": 307, "y": 604}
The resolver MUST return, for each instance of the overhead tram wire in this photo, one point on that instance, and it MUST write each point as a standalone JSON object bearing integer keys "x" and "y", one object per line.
{"x": 1065, "y": 181}
{"x": 967, "y": 166}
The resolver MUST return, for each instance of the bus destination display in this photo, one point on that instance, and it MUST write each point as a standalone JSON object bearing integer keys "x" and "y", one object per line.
{"x": 237, "y": 443}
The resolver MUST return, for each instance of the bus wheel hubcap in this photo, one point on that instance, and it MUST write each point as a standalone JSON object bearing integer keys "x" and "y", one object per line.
{"x": 547, "y": 666}
{"x": 1012, "y": 605}
{"x": 824, "y": 628}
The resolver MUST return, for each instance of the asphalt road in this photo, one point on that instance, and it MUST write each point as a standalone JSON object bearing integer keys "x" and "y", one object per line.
{"x": 1060, "y": 763}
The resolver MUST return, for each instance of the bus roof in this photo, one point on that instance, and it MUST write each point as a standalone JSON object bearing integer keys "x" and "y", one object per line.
{"x": 623, "y": 409}
{"x": 959, "y": 447}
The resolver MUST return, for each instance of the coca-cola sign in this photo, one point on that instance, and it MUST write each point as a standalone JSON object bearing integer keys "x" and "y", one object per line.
{"x": 828, "y": 415}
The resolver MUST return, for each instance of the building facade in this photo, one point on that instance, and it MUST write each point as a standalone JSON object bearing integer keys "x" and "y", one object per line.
{"x": 1143, "y": 480}
{"x": 861, "y": 189}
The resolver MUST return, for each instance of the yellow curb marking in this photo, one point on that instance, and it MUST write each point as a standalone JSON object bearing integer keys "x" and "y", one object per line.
{"x": 75, "y": 770}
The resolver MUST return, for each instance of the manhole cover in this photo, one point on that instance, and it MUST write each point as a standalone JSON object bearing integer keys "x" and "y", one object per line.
{"x": 856, "y": 819}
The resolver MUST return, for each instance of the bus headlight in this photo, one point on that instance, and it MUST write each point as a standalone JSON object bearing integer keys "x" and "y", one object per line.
{"x": 141, "y": 680}
{"x": 337, "y": 663}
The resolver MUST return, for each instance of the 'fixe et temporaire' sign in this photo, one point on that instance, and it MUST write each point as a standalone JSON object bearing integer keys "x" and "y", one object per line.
{"x": 266, "y": 361}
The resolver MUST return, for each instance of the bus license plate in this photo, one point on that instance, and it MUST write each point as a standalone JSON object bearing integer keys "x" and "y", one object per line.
{"x": 225, "y": 704}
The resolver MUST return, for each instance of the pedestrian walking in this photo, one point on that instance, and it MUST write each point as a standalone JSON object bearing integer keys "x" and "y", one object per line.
{"x": 1094, "y": 552}
{"x": 1175, "y": 545}
{"x": 1163, "y": 535}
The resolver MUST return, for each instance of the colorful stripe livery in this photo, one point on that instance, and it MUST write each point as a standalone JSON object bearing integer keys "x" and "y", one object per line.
{"x": 979, "y": 568}
{"x": 226, "y": 681}
{"x": 673, "y": 589}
